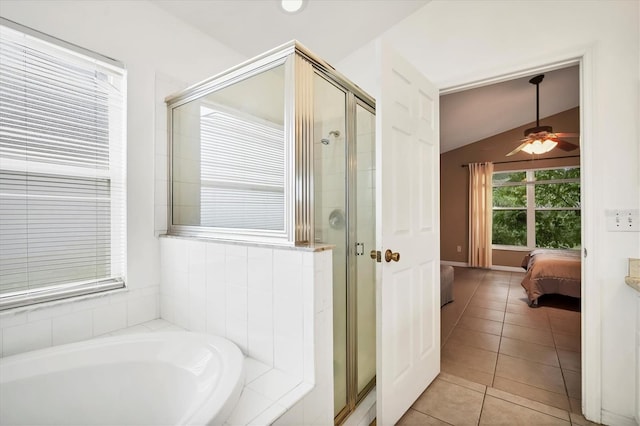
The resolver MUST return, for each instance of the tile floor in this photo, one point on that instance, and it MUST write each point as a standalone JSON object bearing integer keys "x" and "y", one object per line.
{"x": 501, "y": 361}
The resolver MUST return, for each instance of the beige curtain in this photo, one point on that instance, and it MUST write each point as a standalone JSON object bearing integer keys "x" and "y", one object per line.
{"x": 480, "y": 214}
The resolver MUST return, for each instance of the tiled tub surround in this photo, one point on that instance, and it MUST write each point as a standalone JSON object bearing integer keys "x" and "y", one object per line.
{"x": 275, "y": 303}
{"x": 72, "y": 320}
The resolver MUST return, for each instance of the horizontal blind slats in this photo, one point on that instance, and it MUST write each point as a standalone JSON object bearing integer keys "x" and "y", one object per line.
{"x": 62, "y": 188}
{"x": 242, "y": 169}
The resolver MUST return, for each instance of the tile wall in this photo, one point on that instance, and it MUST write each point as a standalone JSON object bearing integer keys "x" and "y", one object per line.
{"x": 274, "y": 303}
{"x": 67, "y": 321}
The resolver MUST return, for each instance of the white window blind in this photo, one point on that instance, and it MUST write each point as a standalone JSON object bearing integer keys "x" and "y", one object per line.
{"x": 62, "y": 169}
{"x": 242, "y": 172}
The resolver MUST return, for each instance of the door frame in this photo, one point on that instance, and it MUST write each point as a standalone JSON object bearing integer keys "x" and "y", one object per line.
{"x": 591, "y": 341}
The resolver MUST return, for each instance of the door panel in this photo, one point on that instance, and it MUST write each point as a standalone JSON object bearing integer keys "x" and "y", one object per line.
{"x": 408, "y": 293}
{"x": 366, "y": 236}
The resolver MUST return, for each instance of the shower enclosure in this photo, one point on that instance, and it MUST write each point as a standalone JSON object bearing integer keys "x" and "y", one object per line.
{"x": 281, "y": 150}
{"x": 344, "y": 212}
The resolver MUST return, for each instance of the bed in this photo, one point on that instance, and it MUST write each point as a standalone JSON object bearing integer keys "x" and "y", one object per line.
{"x": 551, "y": 272}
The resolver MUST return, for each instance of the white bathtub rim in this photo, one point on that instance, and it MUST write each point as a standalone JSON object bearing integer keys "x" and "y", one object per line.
{"x": 220, "y": 399}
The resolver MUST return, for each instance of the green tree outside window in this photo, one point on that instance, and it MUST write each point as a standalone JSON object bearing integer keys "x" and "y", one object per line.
{"x": 547, "y": 201}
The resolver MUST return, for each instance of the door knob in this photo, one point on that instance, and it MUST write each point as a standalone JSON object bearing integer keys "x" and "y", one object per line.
{"x": 375, "y": 255}
{"x": 389, "y": 256}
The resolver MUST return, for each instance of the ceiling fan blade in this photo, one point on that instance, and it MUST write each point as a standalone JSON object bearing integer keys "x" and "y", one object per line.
{"x": 567, "y": 135}
{"x": 564, "y": 145}
{"x": 518, "y": 149}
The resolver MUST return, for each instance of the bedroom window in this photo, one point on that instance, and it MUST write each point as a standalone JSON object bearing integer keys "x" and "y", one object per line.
{"x": 537, "y": 208}
{"x": 62, "y": 169}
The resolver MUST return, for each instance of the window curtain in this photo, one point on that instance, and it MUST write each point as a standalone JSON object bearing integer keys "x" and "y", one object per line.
{"x": 480, "y": 214}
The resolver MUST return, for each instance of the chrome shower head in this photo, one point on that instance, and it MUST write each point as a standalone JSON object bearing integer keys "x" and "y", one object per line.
{"x": 334, "y": 133}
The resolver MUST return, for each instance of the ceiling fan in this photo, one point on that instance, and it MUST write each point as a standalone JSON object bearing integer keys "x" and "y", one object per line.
{"x": 541, "y": 139}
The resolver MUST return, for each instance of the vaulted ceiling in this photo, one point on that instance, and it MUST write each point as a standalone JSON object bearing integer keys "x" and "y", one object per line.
{"x": 335, "y": 28}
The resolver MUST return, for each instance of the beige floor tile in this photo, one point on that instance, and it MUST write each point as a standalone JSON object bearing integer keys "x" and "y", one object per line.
{"x": 416, "y": 418}
{"x": 451, "y": 312}
{"x": 518, "y": 298}
{"x": 564, "y": 325}
{"x": 464, "y": 287}
{"x": 531, "y": 373}
{"x": 488, "y": 304}
{"x": 517, "y": 291}
{"x": 492, "y": 290}
{"x": 532, "y": 335}
{"x": 451, "y": 403}
{"x": 495, "y": 284}
{"x": 479, "y": 324}
{"x": 497, "y": 276}
{"x": 499, "y": 412}
{"x": 475, "y": 358}
{"x": 449, "y": 316}
{"x": 568, "y": 342}
{"x": 488, "y": 298}
{"x": 531, "y": 392}
{"x": 570, "y": 360}
{"x": 524, "y": 308}
{"x": 462, "y": 382}
{"x": 576, "y": 405}
{"x": 529, "y": 403}
{"x": 478, "y": 312}
{"x": 466, "y": 372}
{"x": 527, "y": 320}
{"x": 529, "y": 351}
{"x": 566, "y": 314}
{"x": 516, "y": 278}
{"x": 477, "y": 339}
{"x": 573, "y": 382}
{"x": 579, "y": 420}
{"x": 535, "y": 343}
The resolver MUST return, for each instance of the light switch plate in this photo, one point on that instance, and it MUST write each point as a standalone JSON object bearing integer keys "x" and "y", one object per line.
{"x": 623, "y": 220}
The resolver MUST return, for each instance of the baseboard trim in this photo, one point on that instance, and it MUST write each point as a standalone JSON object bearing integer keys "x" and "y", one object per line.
{"x": 609, "y": 418}
{"x": 493, "y": 268}
{"x": 450, "y": 263}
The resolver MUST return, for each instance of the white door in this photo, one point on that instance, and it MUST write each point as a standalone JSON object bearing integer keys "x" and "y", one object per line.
{"x": 408, "y": 294}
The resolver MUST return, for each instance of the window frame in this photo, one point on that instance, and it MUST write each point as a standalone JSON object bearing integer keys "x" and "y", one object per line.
{"x": 286, "y": 236}
{"x": 115, "y": 176}
{"x": 530, "y": 208}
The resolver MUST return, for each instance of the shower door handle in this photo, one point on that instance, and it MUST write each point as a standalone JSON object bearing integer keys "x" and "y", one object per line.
{"x": 389, "y": 256}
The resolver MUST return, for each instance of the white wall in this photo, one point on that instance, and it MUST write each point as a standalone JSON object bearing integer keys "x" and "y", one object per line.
{"x": 275, "y": 303}
{"x": 456, "y": 43}
{"x": 153, "y": 46}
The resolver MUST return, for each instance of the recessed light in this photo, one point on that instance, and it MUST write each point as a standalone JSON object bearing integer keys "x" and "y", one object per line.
{"x": 292, "y": 6}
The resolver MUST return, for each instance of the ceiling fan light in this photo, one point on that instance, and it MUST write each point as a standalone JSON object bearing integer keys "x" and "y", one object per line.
{"x": 540, "y": 147}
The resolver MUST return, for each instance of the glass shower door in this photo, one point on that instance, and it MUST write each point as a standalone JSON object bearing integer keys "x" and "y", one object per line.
{"x": 344, "y": 209}
{"x": 330, "y": 206}
{"x": 365, "y": 207}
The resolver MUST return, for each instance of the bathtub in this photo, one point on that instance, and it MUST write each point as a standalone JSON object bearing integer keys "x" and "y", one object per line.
{"x": 164, "y": 378}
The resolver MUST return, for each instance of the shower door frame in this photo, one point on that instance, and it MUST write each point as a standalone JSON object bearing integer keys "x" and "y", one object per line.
{"x": 352, "y": 240}
{"x": 354, "y": 397}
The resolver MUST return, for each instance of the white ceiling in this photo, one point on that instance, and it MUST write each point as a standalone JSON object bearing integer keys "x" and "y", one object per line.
{"x": 476, "y": 114}
{"x": 330, "y": 28}
{"x": 335, "y": 28}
